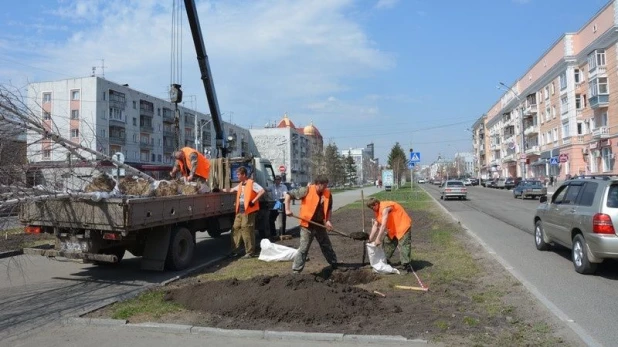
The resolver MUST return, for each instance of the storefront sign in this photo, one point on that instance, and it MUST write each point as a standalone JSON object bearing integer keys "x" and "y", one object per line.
{"x": 606, "y": 143}
{"x": 594, "y": 145}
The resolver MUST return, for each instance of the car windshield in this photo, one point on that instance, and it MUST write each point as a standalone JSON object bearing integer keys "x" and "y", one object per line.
{"x": 532, "y": 183}
{"x": 454, "y": 183}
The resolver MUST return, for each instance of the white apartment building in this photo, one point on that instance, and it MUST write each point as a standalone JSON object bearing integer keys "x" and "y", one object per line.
{"x": 109, "y": 117}
{"x": 363, "y": 161}
{"x": 289, "y": 148}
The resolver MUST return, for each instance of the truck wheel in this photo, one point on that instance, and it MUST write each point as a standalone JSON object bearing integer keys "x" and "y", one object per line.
{"x": 180, "y": 253}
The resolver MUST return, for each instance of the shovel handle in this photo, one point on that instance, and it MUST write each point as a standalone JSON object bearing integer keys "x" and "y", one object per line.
{"x": 320, "y": 225}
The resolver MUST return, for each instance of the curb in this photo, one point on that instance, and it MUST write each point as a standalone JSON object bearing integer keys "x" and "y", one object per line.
{"x": 8, "y": 254}
{"x": 259, "y": 334}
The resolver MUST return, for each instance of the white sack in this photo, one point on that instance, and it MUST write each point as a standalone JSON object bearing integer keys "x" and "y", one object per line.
{"x": 377, "y": 259}
{"x": 274, "y": 252}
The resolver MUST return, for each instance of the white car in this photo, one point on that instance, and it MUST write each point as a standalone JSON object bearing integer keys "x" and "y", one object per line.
{"x": 421, "y": 180}
{"x": 467, "y": 182}
{"x": 454, "y": 189}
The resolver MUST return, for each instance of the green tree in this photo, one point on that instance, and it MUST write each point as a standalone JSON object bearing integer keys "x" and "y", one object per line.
{"x": 397, "y": 160}
{"x": 333, "y": 165}
{"x": 350, "y": 169}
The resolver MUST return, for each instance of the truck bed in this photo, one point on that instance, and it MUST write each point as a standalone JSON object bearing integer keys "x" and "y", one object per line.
{"x": 125, "y": 214}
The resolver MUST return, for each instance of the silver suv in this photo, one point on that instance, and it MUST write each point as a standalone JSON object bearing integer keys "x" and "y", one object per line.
{"x": 582, "y": 216}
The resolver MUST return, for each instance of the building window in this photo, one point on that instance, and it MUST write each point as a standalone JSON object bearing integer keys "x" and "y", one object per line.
{"x": 134, "y": 121}
{"x": 134, "y": 105}
{"x": 152, "y": 157}
{"x": 74, "y": 114}
{"x": 565, "y": 130}
{"x": 576, "y": 75}
{"x": 546, "y": 92}
{"x": 578, "y": 102}
{"x": 116, "y": 114}
{"x": 46, "y": 154}
{"x": 46, "y": 97}
{"x": 554, "y": 134}
{"x": 580, "y": 128}
{"x": 598, "y": 86}
{"x": 104, "y": 96}
{"x": 46, "y": 115}
{"x": 74, "y": 133}
{"x": 75, "y": 95}
{"x": 606, "y": 154}
{"x": 552, "y": 88}
{"x": 159, "y": 158}
{"x": 135, "y": 139}
{"x": 103, "y": 133}
{"x": 563, "y": 81}
{"x": 553, "y": 112}
{"x": 564, "y": 104}
{"x": 596, "y": 58}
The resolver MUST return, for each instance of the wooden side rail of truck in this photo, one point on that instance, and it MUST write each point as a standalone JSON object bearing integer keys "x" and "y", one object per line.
{"x": 159, "y": 229}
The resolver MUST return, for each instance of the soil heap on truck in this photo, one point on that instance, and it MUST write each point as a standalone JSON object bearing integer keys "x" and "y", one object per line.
{"x": 162, "y": 230}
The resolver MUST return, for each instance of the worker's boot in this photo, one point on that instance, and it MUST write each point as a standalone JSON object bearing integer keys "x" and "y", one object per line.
{"x": 408, "y": 268}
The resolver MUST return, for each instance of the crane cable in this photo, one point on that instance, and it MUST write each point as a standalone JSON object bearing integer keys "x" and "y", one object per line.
{"x": 176, "y": 63}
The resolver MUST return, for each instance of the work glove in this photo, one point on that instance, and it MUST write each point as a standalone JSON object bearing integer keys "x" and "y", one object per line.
{"x": 251, "y": 203}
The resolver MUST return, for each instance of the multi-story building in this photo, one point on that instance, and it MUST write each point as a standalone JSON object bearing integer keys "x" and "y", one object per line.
{"x": 364, "y": 164}
{"x": 108, "y": 117}
{"x": 290, "y": 149}
{"x": 559, "y": 119}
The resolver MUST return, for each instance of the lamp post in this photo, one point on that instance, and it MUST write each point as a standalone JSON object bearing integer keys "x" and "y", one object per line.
{"x": 199, "y": 141}
{"x": 523, "y": 141}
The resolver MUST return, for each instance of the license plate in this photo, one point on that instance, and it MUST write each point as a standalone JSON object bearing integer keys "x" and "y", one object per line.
{"x": 536, "y": 190}
{"x": 74, "y": 247}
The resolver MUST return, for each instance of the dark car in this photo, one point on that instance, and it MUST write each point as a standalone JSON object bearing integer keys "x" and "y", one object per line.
{"x": 474, "y": 181}
{"x": 509, "y": 183}
{"x": 529, "y": 189}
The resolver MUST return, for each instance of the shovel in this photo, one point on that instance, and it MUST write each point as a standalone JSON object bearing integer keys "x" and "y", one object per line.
{"x": 361, "y": 236}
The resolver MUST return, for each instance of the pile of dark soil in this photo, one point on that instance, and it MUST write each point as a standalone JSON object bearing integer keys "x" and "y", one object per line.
{"x": 289, "y": 299}
{"x": 102, "y": 183}
{"x": 131, "y": 185}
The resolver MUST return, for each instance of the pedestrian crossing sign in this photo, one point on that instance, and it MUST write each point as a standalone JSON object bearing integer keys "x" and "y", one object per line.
{"x": 553, "y": 161}
{"x": 415, "y": 157}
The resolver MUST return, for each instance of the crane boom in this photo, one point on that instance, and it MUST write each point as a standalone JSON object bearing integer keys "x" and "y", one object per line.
{"x": 206, "y": 76}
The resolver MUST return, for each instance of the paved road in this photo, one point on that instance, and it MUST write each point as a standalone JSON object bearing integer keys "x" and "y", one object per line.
{"x": 589, "y": 304}
{"x": 36, "y": 292}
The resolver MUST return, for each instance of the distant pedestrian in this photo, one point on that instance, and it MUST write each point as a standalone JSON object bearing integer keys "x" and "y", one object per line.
{"x": 316, "y": 205}
{"x": 392, "y": 226}
{"x": 277, "y": 191}
{"x": 248, "y": 194}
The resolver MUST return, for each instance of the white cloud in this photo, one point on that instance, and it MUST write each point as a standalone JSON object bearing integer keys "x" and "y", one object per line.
{"x": 267, "y": 57}
{"x": 386, "y": 3}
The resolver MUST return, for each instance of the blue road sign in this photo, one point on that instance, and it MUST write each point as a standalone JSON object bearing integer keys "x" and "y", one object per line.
{"x": 410, "y": 164}
{"x": 553, "y": 161}
{"x": 415, "y": 157}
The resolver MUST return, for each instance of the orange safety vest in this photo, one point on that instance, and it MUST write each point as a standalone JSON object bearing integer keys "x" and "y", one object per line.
{"x": 203, "y": 164}
{"x": 249, "y": 195}
{"x": 398, "y": 221}
{"x": 310, "y": 203}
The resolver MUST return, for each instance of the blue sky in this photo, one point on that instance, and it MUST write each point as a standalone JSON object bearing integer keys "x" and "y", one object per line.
{"x": 417, "y": 72}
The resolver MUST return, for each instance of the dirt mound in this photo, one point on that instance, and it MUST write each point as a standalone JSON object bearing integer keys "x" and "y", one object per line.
{"x": 102, "y": 183}
{"x": 290, "y": 298}
{"x": 188, "y": 188}
{"x": 132, "y": 185}
{"x": 166, "y": 188}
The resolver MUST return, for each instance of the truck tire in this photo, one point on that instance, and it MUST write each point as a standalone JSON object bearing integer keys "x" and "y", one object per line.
{"x": 180, "y": 253}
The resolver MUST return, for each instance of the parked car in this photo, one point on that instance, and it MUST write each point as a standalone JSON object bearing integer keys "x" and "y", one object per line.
{"x": 529, "y": 189}
{"x": 453, "y": 189}
{"x": 581, "y": 215}
{"x": 467, "y": 182}
{"x": 491, "y": 183}
{"x": 421, "y": 181}
{"x": 474, "y": 181}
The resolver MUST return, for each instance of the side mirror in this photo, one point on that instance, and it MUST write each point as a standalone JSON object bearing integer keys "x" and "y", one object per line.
{"x": 543, "y": 199}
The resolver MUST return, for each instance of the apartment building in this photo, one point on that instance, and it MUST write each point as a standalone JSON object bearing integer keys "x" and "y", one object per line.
{"x": 560, "y": 118}
{"x": 109, "y": 117}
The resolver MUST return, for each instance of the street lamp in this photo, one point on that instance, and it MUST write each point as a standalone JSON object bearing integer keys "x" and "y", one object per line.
{"x": 523, "y": 142}
{"x": 199, "y": 142}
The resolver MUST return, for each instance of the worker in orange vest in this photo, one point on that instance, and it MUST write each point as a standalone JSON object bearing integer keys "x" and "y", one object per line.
{"x": 248, "y": 194}
{"x": 392, "y": 217}
{"x": 192, "y": 164}
{"x": 316, "y": 205}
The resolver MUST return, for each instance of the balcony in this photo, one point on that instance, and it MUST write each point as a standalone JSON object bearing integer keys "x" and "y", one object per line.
{"x": 600, "y": 133}
{"x": 168, "y": 118}
{"x": 599, "y": 101}
{"x": 117, "y": 139}
{"x": 533, "y": 150}
{"x": 579, "y": 112}
{"x": 146, "y": 128}
{"x": 508, "y": 158}
{"x": 596, "y": 72}
{"x": 168, "y": 132}
{"x": 146, "y": 145}
{"x": 117, "y": 122}
{"x": 531, "y": 130}
{"x": 531, "y": 109}
{"x": 168, "y": 148}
